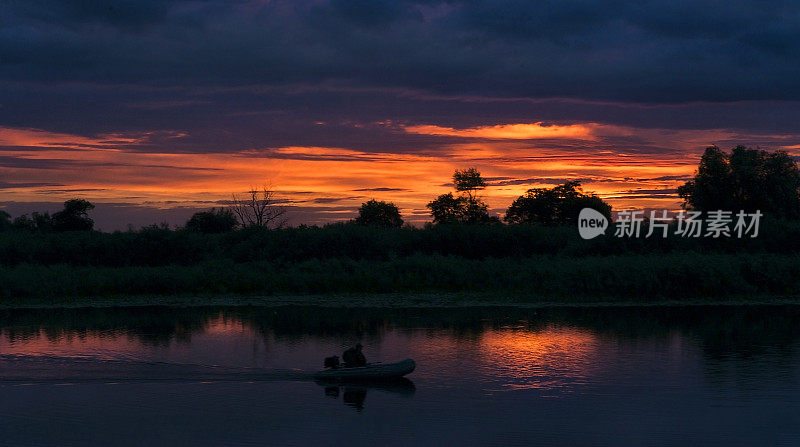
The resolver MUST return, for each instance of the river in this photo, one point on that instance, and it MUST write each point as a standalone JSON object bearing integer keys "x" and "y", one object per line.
{"x": 703, "y": 375}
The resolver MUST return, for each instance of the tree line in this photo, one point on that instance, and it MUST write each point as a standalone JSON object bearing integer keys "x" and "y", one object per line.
{"x": 744, "y": 179}
{"x": 74, "y": 217}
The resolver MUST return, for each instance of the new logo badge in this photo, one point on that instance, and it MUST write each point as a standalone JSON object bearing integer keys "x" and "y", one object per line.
{"x": 591, "y": 223}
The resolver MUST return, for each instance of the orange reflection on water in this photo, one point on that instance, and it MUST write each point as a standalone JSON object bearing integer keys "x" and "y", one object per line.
{"x": 117, "y": 343}
{"x": 542, "y": 357}
{"x": 222, "y": 325}
{"x": 102, "y": 344}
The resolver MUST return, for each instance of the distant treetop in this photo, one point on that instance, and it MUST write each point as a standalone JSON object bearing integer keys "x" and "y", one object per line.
{"x": 382, "y": 214}
{"x": 469, "y": 181}
{"x": 559, "y": 205}
{"x": 74, "y": 216}
{"x": 745, "y": 179}
{"x": 212, "y": 221}
{"x": 466, "y": 207}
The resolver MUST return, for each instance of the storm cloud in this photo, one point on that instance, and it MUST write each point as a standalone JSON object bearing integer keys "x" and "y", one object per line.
{"x": 293, "y": 82}
{"x": 630, "y": 51}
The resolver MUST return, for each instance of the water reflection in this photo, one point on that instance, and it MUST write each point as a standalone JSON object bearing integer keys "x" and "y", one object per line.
{"x": 716, "y": 375}
{"x": 512, "y": 342}
{"x": 354, "y": 394}
{"x": 537, "y": 356}
{"x": 514, "y": 348}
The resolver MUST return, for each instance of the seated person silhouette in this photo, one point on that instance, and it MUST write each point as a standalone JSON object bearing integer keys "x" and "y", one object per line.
{"x": 354, "y": 357}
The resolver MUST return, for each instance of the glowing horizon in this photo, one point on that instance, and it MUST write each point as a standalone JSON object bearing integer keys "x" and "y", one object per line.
{"x": 329, "y": 183}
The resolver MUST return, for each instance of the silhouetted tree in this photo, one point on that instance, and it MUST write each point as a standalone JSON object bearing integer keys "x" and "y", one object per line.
{"x": 36, "y": 222}
{"x": 557, "y": 206}
{"x": 469, "y": 181}
{"x": 447, "y": 209}
{"x": 23, "y": 222}
{"x": 383, "y": 214}
{"x": 450, "y": 209}
{"x": 466, "y": 208}
{"x": 74, "y": 216}
{"x": 746, "y": 179}
{"x": 212, "y": 221}
{"x": 5, "y": 220}
{"x": 476, "y": 211}
{"x": 259, "y": 208}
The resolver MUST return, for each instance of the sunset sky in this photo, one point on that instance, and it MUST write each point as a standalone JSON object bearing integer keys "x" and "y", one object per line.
{"x": 156, "y": 109}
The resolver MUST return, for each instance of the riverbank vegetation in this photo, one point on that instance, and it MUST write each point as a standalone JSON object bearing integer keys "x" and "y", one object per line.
{"x": 536, "y": 255}
{"x": 526, "y": 262}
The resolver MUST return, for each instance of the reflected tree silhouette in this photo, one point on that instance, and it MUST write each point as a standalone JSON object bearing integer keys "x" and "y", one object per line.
{"x": 720, "y": 332}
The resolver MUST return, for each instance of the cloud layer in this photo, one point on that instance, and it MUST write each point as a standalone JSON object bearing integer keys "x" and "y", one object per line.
{"x": 177, "y": 104}
{"x": 638, "y": 51}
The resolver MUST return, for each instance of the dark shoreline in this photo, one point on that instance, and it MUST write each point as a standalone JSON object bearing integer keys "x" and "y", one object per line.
{"x": 391, "y": 300}
{"x": 671, "y": 277}
{"x": 353, "y": 265}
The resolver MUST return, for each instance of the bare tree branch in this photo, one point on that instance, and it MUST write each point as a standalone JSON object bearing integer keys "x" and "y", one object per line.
{"x": 259, "y": 208}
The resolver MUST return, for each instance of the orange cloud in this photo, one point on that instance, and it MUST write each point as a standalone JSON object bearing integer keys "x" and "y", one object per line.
{"x": 320, "y": 177}
{"x": 335, "y": 180}
{"x": 40, "y": 138}
{"x": 508, "y": 131}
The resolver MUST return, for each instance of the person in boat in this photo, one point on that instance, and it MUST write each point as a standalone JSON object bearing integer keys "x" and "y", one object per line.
{"x": 354, "y": 357}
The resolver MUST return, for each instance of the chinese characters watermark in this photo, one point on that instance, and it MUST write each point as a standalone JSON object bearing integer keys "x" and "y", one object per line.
{"x": 634, "y": 223}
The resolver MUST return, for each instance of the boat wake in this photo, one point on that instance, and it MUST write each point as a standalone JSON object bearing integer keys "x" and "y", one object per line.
{"x": 33, "y": 369}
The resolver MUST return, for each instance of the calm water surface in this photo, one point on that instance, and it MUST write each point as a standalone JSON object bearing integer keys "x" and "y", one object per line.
{"x": 485, "y": 376}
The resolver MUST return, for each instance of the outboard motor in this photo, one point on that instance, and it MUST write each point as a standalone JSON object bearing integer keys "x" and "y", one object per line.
{"x": 332, "y": 362}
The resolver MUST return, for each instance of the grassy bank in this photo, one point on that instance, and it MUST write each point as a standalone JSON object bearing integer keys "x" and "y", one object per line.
{"x": 684, "y": 276}
{"x": 530, "y": 264}
{"x": 163, "y": 247}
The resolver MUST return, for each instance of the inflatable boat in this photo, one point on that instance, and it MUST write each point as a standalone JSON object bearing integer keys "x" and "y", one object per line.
{"x": 372, "y": 371}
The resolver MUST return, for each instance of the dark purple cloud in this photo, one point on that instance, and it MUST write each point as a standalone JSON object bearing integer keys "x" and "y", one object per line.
{"x": 259, "y": 75}
{"x": 632, "y": 51}
{"x": 13, "y": 185}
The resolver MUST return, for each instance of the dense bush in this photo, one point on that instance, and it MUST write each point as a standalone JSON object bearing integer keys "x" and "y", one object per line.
{"x": 519, "y": 260}
{"x": 212, "y": 221}
{"x": 154, "y": 246}
{"x": 635, "y": 278}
